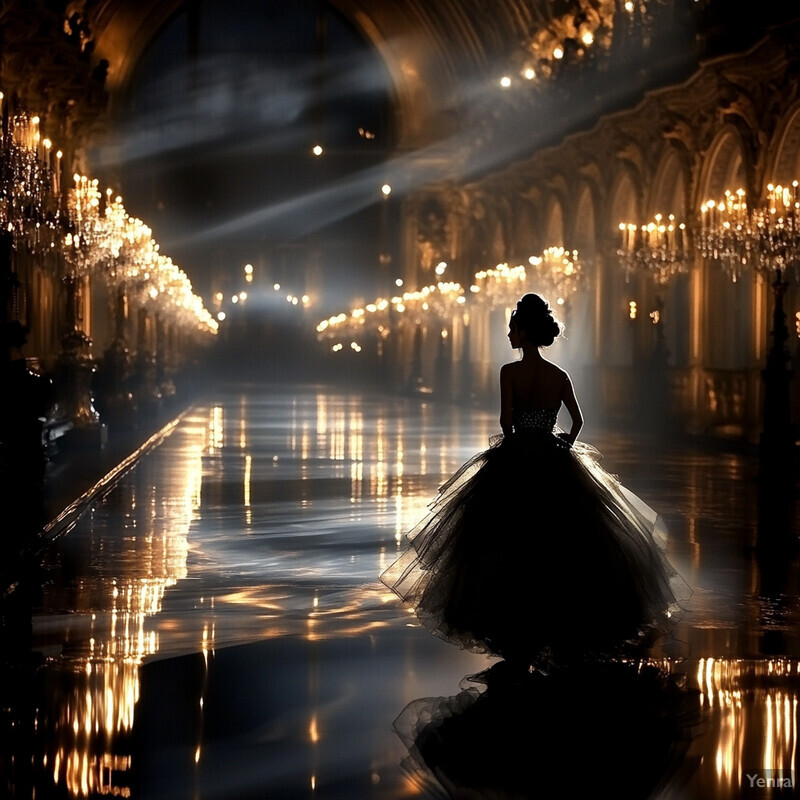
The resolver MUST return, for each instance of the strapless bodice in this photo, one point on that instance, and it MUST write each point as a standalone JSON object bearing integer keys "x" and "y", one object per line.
{"x": 535, "y": 419}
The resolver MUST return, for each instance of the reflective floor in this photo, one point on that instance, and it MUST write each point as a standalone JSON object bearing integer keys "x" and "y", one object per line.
{"x": 213, "y": 627}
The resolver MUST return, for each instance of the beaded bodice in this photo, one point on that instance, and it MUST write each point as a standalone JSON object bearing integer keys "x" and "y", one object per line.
{"x": 535, "y": 419}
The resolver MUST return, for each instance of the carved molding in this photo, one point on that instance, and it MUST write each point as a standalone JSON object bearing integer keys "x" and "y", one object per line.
{"x": 48, "y": 67}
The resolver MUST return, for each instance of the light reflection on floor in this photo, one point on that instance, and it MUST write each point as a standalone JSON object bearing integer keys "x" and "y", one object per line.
{"x": 214, "y": 627}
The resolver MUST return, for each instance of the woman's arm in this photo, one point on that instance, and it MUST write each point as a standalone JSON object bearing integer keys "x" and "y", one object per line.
{"x": 506, "y": 400}
{"x": 574, "y": 410}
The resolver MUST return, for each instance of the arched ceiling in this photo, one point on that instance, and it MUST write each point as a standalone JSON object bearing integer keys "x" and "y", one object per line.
{"x": 444, "y": 59}
{"x": 430, "y": 48}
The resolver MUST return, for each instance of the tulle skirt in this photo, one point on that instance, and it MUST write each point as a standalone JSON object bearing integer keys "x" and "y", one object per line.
{"x": 533, "y": 547}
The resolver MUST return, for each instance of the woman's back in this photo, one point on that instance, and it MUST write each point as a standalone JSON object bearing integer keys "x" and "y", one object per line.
{"x": 536, "y": 384}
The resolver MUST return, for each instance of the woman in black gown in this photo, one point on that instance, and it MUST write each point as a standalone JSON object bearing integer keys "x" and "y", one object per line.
{"x": 532, "y": 550}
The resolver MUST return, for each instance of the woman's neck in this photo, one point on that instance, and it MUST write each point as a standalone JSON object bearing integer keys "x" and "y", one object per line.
{"x": 531, "y": 353}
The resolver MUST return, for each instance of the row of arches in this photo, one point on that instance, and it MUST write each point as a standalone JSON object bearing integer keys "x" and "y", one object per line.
{"x": 734, "y": 125}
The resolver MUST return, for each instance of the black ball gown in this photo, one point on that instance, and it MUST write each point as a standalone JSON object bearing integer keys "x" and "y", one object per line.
{"x": 532, "y": 548}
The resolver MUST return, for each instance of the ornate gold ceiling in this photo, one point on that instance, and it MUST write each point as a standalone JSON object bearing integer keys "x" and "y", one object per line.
{"x": 445, "y": 57}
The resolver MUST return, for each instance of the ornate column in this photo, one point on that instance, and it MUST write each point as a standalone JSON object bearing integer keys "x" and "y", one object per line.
{"x": 148, "y": 395}
{"x": 115, "y": 396}
{"x": 75, "y": 367}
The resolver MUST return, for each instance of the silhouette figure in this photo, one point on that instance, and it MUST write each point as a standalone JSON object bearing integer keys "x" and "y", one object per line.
{"x": 532, "y": 551}
{"x": 606, "y": 728}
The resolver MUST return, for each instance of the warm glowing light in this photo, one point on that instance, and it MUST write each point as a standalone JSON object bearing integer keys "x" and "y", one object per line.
{"x": 658, "y": 248}
{"x": 317, "y": 150}
{"x": 505, "y": 81}
{"x": 386, "y": 190}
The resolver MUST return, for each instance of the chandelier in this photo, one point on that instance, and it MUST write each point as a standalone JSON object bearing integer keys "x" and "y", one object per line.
{"x": 29, "y": 181}
{"x": 658, "y": 249}
{"x": 502, "y": 285}
{"x": 765, "y": 238}
{"x": 86, "y": 230}
{"x": 558, "y": 272}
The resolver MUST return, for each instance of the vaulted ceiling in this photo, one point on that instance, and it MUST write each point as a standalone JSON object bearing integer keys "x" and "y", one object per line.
{"x": 430, "y": 48}
{"x": 442, "y": 54}
{"x": 444, "y": 57}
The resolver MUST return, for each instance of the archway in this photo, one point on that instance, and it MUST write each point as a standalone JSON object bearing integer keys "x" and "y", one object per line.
{"x": 668, "y": 197}
{"x": 214, "y": 144}
{"x": 727, "y": 300}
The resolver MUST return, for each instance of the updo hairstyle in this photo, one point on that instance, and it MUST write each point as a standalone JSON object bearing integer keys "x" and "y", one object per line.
{"x": 534, "y": 316}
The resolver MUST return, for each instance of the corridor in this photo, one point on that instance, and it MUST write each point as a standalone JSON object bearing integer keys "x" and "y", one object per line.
{"x": 213, "y": 626}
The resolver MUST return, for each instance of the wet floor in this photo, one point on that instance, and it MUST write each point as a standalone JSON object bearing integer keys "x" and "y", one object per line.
{"x": 213, "y": 627}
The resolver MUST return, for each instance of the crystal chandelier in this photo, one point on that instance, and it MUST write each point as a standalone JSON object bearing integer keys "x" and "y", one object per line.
{"x": 29, "y": 181}
{"x": 557, "y": 273}
{"x": 725, "y": 235}
{"x": 658, "y": 249}
{"x": 765, "y": 238}
{"x": 84, "y": 241}
{"x": 777, "y": 234}
{"x": 501, "y": 286}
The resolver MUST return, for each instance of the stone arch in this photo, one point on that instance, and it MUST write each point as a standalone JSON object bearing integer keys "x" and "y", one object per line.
{"x": 668, "y": 189}
{"x": 584, "y": 227}
{"x": 784, "y": 166}
{"x": 727, "y": 305}
{"x": 668, "y": 195}
{"x": 580, "y": 313}
{"x": 526, "y": 240}
{"x": 724, "y": 166}
{"x": 554, "y": 223}
{"x": 784, "y": 169}
{"x": 613, "y": 290}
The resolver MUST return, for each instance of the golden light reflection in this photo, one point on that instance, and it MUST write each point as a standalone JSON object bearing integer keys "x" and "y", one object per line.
{"x": 92, "y": 718}
{"x": 754, "y": 705}
{"x": 248, "y": 466}
{"x": 216, "y": 430}
{"x": 243, "y": 429}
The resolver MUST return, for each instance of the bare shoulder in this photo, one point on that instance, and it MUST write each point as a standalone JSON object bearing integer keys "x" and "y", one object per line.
{"x": 555, "y": 370}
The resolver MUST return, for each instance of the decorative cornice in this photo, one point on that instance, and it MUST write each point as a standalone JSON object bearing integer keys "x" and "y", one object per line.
{"x": 48, "y": 67}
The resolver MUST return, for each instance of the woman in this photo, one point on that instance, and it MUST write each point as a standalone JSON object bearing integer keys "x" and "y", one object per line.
{"x": 531, "y": 550}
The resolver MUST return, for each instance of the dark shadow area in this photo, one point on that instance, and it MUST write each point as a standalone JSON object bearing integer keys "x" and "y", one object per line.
{"x": 777, "y": 555}
{"x": 613, "y": 729}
